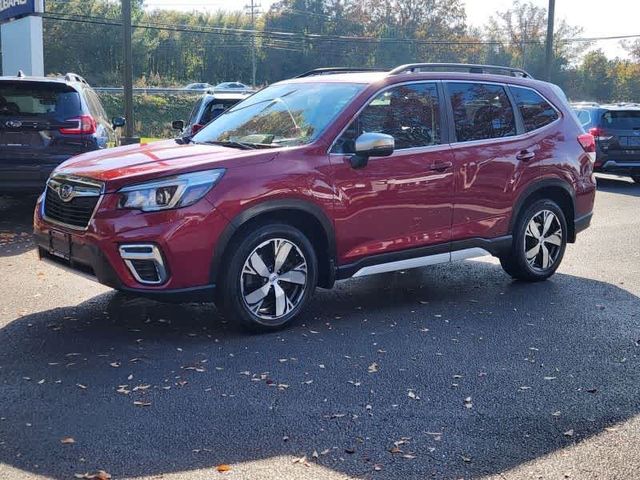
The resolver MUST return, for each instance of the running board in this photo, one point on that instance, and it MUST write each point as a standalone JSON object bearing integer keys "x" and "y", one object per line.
{"x": 422, "y": 261}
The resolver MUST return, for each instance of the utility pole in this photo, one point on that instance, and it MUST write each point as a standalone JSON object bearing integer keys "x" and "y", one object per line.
{"x": 253, "y": 8}
{"x": 549, "y": 43}
{"x": 127, "y": 80}
{"x": 523, "y": 45}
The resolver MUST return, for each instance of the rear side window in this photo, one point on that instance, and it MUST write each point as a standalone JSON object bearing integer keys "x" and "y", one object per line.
{"x": 215, "y": 108}
{"x": 584, "y": 117}
{"x": 194, "y": 111}
{"x": 32, "y": 99}
{"x": 536, "y": 111}
{"x": 481, "y": 111}
{"x": 409, "y": 113}
{"x": 621, "y": 120}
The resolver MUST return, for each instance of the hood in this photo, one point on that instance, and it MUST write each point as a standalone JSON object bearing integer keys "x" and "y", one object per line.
{"x": 121, "y": 166}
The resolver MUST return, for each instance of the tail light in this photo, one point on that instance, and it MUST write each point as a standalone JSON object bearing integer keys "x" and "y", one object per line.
{"x": 196, "y": 127}
{"x": 588, "y": 144}
{"x": 599, "y": 134}
{"x": 86, "y": 125}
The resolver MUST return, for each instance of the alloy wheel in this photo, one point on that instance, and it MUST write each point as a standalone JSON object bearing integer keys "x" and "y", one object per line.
{"x": 543, "y": 240}
{"x": 274, "y": 279}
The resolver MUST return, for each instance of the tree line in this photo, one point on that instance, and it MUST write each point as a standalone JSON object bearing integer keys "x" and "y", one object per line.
{"x": 175, "y": 47}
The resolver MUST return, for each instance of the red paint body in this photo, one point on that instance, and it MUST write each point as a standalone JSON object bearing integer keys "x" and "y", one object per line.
{"x": 395, "y": 203}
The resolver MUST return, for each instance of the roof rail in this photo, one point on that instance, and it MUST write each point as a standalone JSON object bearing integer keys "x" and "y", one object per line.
{"x": 471, "y": 68}
{"x": 74, "y": 77}
{"x": 336, "y": 70}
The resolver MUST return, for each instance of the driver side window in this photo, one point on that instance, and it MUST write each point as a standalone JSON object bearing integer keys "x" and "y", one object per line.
{"x": 409, "y": 113}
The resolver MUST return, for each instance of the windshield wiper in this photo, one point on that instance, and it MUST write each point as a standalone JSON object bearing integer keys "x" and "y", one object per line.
{"x": 231, "y": 144}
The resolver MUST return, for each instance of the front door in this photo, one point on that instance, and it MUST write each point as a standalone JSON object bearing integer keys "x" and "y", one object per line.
{"x": 402, "y": 201}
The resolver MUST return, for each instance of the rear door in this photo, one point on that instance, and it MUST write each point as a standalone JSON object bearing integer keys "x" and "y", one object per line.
{"x": 618, "y": 135}
{"x": 32, "y": 118}
{"x": 494, "y": 161}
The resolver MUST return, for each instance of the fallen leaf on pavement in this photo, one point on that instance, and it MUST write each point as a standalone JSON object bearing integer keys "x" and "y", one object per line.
{"x": 568, "y": 433}
{"x": 67, "y": 440}
{"x": 373, "y": 368}
{"x": 223, "y": 468}
{"x": 140, "y": 403}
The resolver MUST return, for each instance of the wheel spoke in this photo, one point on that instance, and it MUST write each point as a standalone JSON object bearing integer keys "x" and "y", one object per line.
{"x": 258, "y": 295}
{"x": 296, "y": 275}
{"x": 531, "y": 254}
{"x": 283, "y": 304}
{"x": 533, "y": 229}
{"x": 548, "y": 220}
{"x": 546, "y": 261}
{"x": 281, "y": 252}
{"x": 555, "y": 238}
{"x": 256, "y": 266}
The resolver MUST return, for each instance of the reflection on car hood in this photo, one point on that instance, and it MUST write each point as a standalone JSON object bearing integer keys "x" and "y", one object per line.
{"x": 137, "y": 163}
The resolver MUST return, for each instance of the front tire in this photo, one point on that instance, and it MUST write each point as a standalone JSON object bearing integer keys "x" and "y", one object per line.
{"x": 270, "y": 277}
{"x": 539, "y": 242}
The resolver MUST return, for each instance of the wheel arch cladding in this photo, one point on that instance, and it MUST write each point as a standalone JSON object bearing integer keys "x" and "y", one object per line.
{"x": 306, "y": 217}
{"x": 558, "y": 191}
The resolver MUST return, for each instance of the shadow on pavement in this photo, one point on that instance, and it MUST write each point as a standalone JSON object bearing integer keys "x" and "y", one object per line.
{"x": 474, "y": 374}
{"x": 16, "y": 224}
{"x": 620, "y": 185}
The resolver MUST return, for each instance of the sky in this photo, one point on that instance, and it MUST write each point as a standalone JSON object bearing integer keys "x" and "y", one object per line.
{"x": 597, "y": 17}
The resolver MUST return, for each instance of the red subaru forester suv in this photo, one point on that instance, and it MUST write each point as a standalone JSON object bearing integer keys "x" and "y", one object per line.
{"x": 331, "y": 175}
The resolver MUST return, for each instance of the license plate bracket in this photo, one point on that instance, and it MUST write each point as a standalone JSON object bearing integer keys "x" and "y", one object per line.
{"x": 60, "y": 244}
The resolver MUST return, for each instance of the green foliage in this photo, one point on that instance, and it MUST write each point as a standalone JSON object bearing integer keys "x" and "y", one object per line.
{"x": 153, "y": 113}
{"x": 172, "y": 48}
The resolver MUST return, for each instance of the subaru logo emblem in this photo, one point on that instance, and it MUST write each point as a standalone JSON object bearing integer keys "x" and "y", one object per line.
{"x": 65, "y": 192}
{"x": 13, "y": 124}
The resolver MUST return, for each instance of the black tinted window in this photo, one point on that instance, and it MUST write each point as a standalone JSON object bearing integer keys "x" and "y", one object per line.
{"x": 536, "y": 111}
{"x": 621, "y": 120}
{"x": 215, "y": 108}
{"x": 38, "y": 99}
{"x": 481, "y": 111}
{"x": 409, "y": 113}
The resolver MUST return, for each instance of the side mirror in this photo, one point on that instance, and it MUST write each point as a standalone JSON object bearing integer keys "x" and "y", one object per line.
{"x": 371, "y": 144}
{"x": 117, "y": 122}
{"x": 177, "y": 124}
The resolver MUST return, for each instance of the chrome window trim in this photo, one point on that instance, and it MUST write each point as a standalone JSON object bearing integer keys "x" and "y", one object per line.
{"x": 61, "y": 178}
{"x": 366, "y": 103}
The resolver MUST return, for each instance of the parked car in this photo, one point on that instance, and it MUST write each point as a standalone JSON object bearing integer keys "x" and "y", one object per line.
{"x": 616, "y": 129}
{"x": 43, "y": 122}
{"x": 232, "y": 86}
{"x": 323, "y": 178}
{"x": 197, "y": 86}
{"x": 211, "y": 105}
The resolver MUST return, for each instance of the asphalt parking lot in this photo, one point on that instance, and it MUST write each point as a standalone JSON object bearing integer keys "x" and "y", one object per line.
{"x": 443, "y": 372}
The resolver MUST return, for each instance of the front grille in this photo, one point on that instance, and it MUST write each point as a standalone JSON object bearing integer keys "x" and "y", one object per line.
{"x": 75, "y": 213}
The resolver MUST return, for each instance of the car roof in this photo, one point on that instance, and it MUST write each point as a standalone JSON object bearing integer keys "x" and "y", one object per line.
{"x": 38, "y": 79}
{"x": 227, "y": 95}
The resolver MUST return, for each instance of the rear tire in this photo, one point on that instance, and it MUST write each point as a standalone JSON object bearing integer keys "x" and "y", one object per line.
{"x": 636, "y": 178}
{"x": 539, "y": 242}
{"x": 269, "y": 277}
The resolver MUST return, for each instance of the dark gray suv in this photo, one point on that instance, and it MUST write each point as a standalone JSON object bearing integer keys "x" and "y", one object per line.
{"x": 43, "y": 122}
{"x": 616, "y": 129}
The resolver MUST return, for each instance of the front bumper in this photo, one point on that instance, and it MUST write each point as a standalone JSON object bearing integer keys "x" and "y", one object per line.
{"x": 185, "y": 237}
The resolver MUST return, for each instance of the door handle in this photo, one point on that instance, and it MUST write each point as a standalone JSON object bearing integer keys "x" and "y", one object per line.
{"x": 440, "y": 166}
{"x": 525, "y": 155}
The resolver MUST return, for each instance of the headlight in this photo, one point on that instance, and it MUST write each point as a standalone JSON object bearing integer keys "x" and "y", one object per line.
{"x": 173, "y": 192}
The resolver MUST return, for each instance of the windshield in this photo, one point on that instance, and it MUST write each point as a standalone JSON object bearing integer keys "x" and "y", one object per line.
{"x": 281, "y": 115}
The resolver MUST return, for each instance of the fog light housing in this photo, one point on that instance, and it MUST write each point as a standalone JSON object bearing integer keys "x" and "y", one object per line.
{"x": 145, "y": 263}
